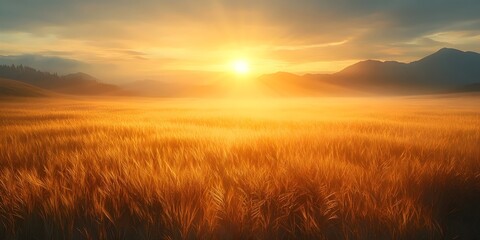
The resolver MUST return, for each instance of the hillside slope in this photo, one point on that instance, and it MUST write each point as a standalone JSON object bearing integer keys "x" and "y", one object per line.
{"x": 76, "y": 84}
{"x": 12, "y": 88}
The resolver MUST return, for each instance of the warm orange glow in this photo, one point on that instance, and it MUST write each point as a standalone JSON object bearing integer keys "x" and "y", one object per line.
{"x": 241, "y": 67}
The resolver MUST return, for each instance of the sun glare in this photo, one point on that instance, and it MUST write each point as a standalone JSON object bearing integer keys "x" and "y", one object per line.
{"x": 241, "y": 67}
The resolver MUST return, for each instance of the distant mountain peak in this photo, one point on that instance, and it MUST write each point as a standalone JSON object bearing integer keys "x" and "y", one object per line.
{"x": 452, "y": 52}
{"x": 279, "y": 75}
{"x": 449, "y": 50}
{"x": 81, "y": 76}
{"x": 368, "y": 65}
{"x": 445, "y": 69}
{"x": 285, "y": 73}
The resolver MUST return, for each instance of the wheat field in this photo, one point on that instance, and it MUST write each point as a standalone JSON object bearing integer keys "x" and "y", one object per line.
{"x": 319, "y": 168}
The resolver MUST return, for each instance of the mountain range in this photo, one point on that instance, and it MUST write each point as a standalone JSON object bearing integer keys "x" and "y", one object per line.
{"x": 447, "y": 70}
{"x": 444, "y": 71}
{"x": 75, "y": 83}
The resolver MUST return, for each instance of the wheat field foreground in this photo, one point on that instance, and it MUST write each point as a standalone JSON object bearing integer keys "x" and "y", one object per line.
{"x": 389, "y": 168}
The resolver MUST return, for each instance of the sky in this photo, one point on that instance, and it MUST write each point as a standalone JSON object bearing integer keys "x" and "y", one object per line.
{"x": 127, "y": 40}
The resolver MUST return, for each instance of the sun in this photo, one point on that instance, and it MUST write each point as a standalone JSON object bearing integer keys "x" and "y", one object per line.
{"x": 241, "y": 67}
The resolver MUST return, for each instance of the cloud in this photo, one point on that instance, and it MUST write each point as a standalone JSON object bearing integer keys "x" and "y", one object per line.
{"x": 302, "y": 18}
{"x": 296, "y": 32}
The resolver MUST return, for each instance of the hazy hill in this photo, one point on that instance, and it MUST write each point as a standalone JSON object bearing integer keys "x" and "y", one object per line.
{"x": 445, "y": 70}
{"x": 153, "y": 88}
{"x": 376, "y": 75}
{"x": 12, "y": 88}
{"x": 82, "y": 83}
{"x": 77, "y": 83}
{"x": 288, "y": 84}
